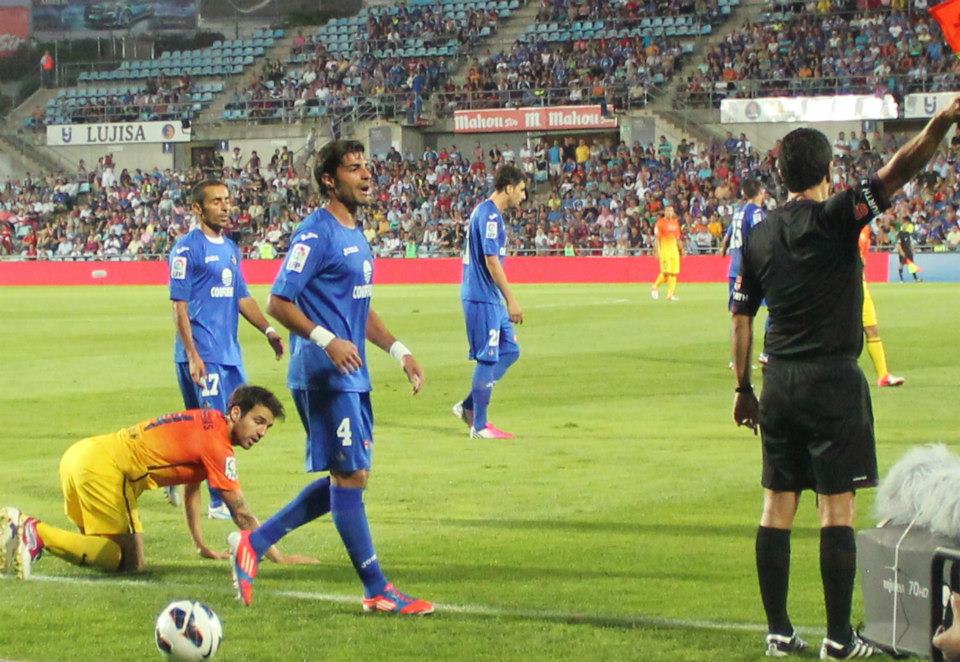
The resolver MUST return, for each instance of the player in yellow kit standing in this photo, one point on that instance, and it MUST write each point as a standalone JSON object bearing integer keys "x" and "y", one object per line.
{"x": 871, "y": 328}
{"x": 667, "y": 246}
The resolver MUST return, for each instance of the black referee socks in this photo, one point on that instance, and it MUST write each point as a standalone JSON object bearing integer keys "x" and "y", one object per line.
{"x": 773, "y": 571}
{"x": 838, "y": 569}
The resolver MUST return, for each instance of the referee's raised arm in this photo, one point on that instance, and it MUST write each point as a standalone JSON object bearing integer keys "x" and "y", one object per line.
{"x": 913, "y": 156}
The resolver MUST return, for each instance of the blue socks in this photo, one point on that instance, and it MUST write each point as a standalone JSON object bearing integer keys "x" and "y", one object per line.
{"x": 310, "y": 504}
{"x": 350, "y": 518}
{"x": 485, "y": 375}
{"x": 483, "y": 381}
{"x": 215, "y": 500}
{"x": 506, "y": 360}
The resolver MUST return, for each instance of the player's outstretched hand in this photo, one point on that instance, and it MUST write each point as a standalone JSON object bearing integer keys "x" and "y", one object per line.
{"x": 198, "y": 370}
{"x": 746, "y": 410}
{"x": 344, "y": 355}
{"x": 207, "y": 553}
{"x": 515, "y": 311}
{"x": 948, "y": 641}
{"x": 276, "y": 342}
{"x": 414, "y": 372}
{"x": 952, "y": 111}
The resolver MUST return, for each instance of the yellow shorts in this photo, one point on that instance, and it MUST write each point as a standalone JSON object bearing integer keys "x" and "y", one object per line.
{"x": 869, "y": 311}
{"x": 670, "y": 264}
{"x": 97, "y": 497}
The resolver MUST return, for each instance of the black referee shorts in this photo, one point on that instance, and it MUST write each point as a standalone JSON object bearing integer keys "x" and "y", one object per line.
{"x": 816, "y": 424}
{"x": 906, "y": 256}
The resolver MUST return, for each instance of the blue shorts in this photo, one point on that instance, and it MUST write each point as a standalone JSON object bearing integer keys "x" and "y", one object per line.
{"x": 222, "y": 381}
{"x": 489, "y": 331}
{"x": 339, "y": 429}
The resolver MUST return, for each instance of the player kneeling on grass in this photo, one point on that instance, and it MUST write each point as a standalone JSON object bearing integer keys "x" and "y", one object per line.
{"x": 101, "y": 478}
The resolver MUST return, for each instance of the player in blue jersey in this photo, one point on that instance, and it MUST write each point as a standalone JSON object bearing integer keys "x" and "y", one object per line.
{"x": 489, "y": 305}
{"x": 209, "y": 294}
{"x": 749, "y": 215}
{"x": 322, "y": 295}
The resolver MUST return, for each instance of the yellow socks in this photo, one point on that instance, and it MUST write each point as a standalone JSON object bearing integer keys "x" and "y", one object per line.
{"x": 80, "y": 549}
{"x": 671, "y": 285}
{"x": 878, "y": 356}
{"x": 661, "y": 279}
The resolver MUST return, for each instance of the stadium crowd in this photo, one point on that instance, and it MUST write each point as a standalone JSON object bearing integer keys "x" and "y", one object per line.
{"x": 160, "y": 98}
{"x": 827, "y": 47}
{"x": 622, "y": 72}
{"x": 590, "y": 199}
{"x": 340, "y": 81}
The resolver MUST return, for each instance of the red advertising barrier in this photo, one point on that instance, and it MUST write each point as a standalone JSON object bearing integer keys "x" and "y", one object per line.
{"x": 693, "y": 269}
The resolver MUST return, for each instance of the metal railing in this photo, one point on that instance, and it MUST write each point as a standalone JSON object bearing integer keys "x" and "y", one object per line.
{"x": 897, "y": 84}
{"x": 291, "y": 109}
{"x": 622, "y": 96}
{"x": 121, "y": 112}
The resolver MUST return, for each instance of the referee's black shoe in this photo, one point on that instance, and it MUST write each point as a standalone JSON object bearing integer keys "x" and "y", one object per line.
{"x": 856, "y": 649}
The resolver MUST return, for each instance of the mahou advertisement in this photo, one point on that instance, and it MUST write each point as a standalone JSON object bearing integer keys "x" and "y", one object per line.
{"x": 550, "y": 118}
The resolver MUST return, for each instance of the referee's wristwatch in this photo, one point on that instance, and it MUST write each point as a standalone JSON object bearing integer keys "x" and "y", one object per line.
{"x": 744, "y": 389}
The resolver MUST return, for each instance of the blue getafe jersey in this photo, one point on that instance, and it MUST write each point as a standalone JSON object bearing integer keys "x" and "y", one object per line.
{"x": 486, "y": 236}
{"x": 328, "y": 274}
{"x": 745, "y": 218}
{"x": 207, "y": 275}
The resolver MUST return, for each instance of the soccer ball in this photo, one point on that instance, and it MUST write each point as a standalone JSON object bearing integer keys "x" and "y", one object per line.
{"x": 188, "y": 631}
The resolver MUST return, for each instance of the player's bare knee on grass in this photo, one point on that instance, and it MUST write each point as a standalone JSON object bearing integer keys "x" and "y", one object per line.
{"x": 132, "y": 558}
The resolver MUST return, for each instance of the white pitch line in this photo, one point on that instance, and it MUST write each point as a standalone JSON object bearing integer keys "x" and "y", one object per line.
{"x": 475, "y": 610}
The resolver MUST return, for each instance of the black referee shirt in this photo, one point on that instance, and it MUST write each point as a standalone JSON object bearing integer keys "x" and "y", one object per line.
{"x": 804, "y": 261}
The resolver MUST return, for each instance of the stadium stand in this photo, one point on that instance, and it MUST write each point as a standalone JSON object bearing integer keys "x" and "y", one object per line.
{"x": 599, "y": 52}
{"x": 600, "y": 198}
{"x": 386, "y": 60}
{"x": 158, "y": 99}
{"x": 158, "y": 89}
{"x": 791, "y": 51}
{"x": 601, "y": 202}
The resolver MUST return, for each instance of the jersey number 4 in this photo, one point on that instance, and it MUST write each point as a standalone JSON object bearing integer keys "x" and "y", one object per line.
{"x": 344, "y": 434}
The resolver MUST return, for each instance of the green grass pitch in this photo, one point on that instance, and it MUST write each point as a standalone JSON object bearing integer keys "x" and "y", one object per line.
{"x": 618, "y": 525}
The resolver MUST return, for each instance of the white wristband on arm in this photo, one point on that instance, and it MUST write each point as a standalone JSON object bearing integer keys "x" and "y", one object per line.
{"x": 267, "y": 331}
{"x": 398, "y": 350}
{"x": 321, "y": 336}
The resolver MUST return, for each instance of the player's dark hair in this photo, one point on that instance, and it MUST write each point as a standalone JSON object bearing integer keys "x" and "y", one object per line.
{"x": 804, "y": 161}
{"x": 330, "y": 157}
{"x": 508, "y": 175}
{"x": 751, "y": 188}
{"x": 248, "y": 396}
{"x": 198, "y": 194}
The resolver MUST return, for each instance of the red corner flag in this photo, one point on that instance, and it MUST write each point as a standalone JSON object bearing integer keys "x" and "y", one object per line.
{"x": 947, "y": 14}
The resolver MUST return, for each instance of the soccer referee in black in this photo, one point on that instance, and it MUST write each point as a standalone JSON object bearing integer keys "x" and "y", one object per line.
{"x": 814, "y": 415}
